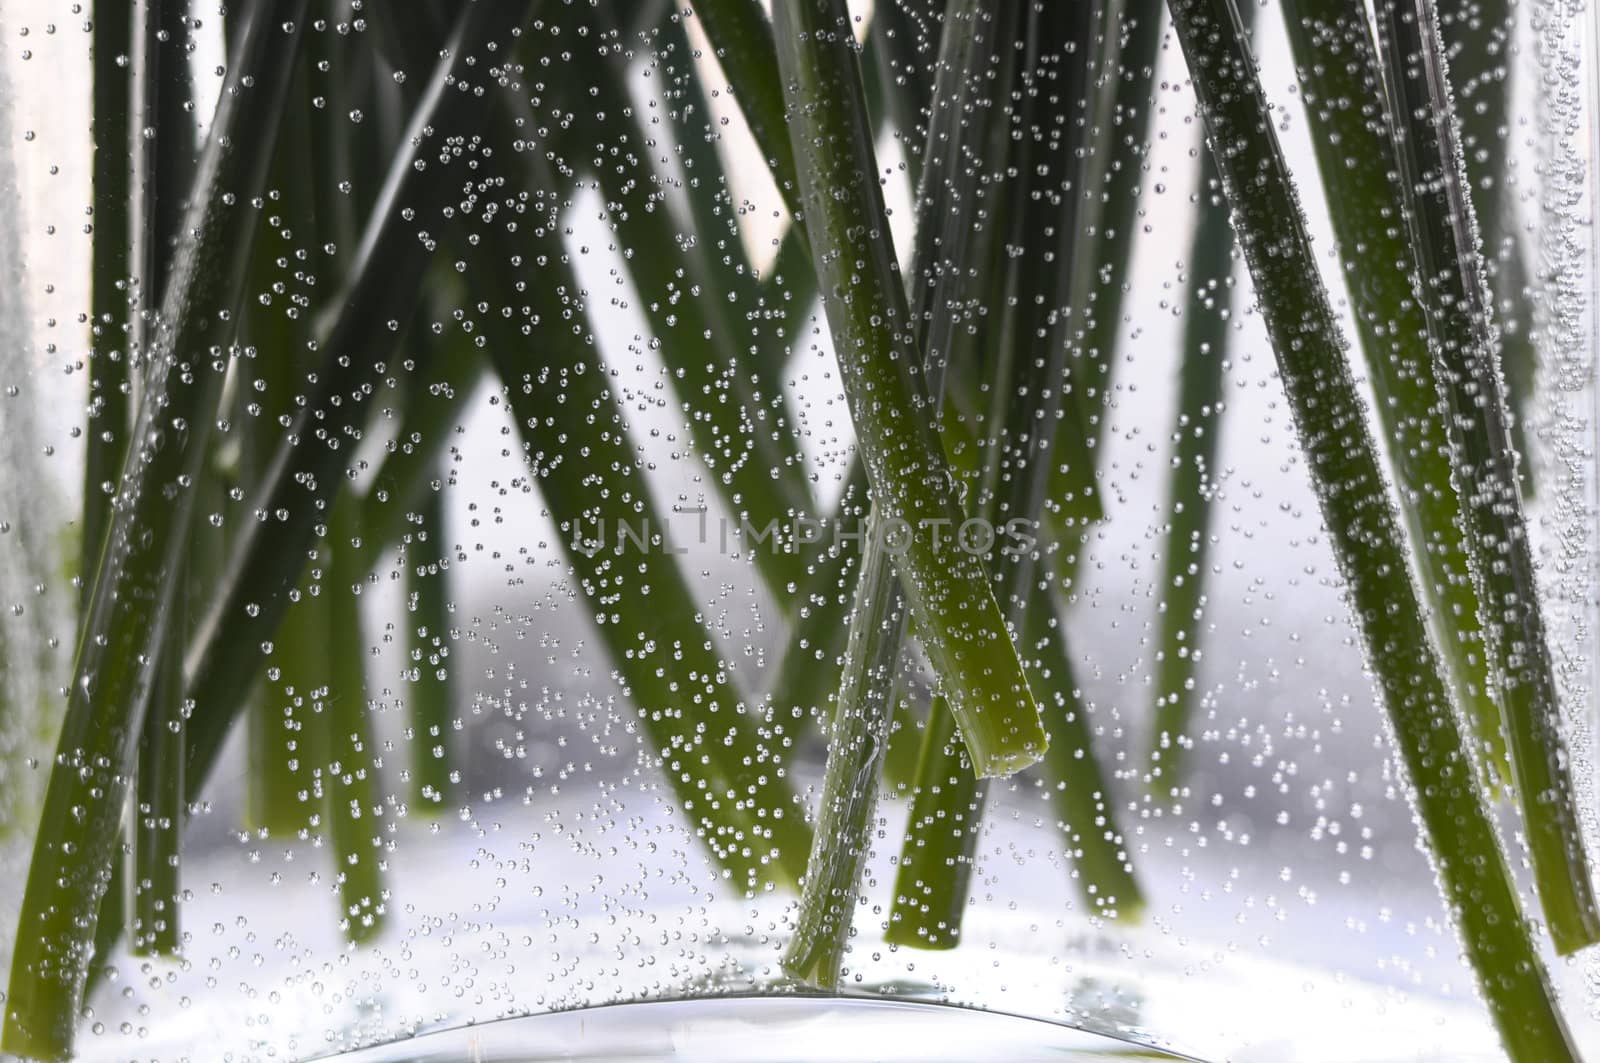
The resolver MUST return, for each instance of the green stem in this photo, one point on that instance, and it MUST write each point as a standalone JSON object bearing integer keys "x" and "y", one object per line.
{"x": 351, "y": 786}
{"x": 742, "y": 40}
{"x": 293, "y": 695}
{"x": 812, "y": 665}
{"x": 958, "y": 620}
{"x": 1042, "y": 287}
{"x": 129, "y": 613}
{"x": 809, "y": 670}
{"x": 783, "y": 302}
{"x": 347, "y": 163}
{"x": 1115, "y": 234}
{"x": 449, "y": 372}
{"x": 312, "y": 458}
{"x": 1199, "y": 423}
{"x": 708, "y": 200}
{"x": 158, "y": 805}
{"x": 106, "y": 438}
{"x": 431, "y": 699}
{"x": 721, "y": 757}
{"x": 273, "y": 801}
{"x": 275, "y": 337}
{"x": 1367, "y": 540}
{"x": 1460, "y": 324}
{"x": 692, "y": 712}
{"x": 280, "y": 795}
{"x": 112, "y": 919}
{"x": 1337, "y": 58}
{"x": 935, "y": 872}
{"x": 1073, "y": 780}
{"x": 904, "y": 746}
{"x": 1519, "y": 353}
{"x": 751, "y": 300}
{"x": 740, "y": 430}
{"x": 1477, "y": 36}
{"x": 112, "y": 345}
{"x": 168, "y": 139}
{"x": 1121, "y": 103}
{"x": 857, "y": 740}
{"x": 812, "y": 660}
{"x": 709, "y": 203}
{"x": 974, "y": 44}
{"x": 894, "y": 65}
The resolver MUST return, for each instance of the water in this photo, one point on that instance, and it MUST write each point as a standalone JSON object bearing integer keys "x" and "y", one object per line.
{"x": 473, "y": 713}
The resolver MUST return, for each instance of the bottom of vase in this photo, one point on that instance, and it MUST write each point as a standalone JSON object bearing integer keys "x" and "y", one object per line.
{"x": 761, "y": 1030}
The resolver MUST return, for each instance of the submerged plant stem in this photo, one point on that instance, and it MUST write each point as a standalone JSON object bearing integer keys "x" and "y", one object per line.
{"x": 286, "y": 740}
{"x": 279, "y": 359}
{"x": 106, "y": 438}
{"x": 130, "y": 610}
{"x": 431, "y": 695}
{"x": 857, "y": 740}
{"x": 158, "y": 811}
{"x": 1206, "y": 334}
{"x": 1367, "y": 539}
{"x": 742, "y": 436}
{"x": 1336, "y": 55}
{"x": 935, "y": 872}
{"x": 958, "y": 621}
{"x": 1041, "y": 287}
{"x": 867, "y": 692}
{"x": 1479, "y": 38}
{"x": 1200, "y": 381}
{"x": 1072, "y": 776}
{"x": 305, "y": 472}
{"x": 742, "y": 39}
{"x": 720, "y": 756}
{"x": 1138, "y": 24}
{"x": 111, "y": 330}
{"x": 1460, "y": 324}
{"x": 351, "y": 789}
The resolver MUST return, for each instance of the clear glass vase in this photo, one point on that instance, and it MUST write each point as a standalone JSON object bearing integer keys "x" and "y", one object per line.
{"x": 500, "y": 563}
